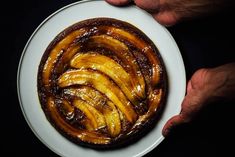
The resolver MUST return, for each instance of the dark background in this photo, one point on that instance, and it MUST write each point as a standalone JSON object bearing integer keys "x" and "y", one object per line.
{"x": 207, "y": 42}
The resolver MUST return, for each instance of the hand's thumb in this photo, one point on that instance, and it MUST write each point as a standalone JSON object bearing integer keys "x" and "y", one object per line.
{"x": 171, "y": 123}
{"x": 192, "y": 103}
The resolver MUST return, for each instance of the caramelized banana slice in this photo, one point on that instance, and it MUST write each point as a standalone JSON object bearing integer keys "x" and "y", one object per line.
{"x": 106, "y": 107}
{"x": 109, "y": 67}
{"x": 112, "y": 120}
{"x": 83, "y": 135}
{"x": 154, "y": 100}
{"x": 96, "y": 118}
{"x": 140, "y": 44}
{"x": 123, "y": 53}
{"x": 56, "y": 52}
{"x": 63, "y": 61}
{"x": 102, "y": 84}
{"x": 89, "y": 95}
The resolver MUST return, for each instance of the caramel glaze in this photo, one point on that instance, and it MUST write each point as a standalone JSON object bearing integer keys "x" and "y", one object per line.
{"x": 97, "y": 108}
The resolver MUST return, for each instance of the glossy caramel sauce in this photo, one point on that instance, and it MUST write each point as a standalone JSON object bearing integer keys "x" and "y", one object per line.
{"x": 102, "y": 82}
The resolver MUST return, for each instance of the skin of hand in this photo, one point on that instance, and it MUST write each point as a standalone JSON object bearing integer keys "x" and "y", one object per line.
{"x": 206, "y": 86}
{"x": 170, "y": 12}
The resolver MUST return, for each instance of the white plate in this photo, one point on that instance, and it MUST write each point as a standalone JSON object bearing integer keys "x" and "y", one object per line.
{"x": 58, "y": 21}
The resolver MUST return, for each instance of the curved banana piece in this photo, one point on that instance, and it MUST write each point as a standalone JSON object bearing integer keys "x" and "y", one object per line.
{"x": 65, "y": 58}
{"x": 57, "y": 52}
{"x": 96, "y": 118}
{"x": 89, "y": 95}
{"x": 108, "y": 67}
{"x": 123, "y": 53}
{"x": 154, "y": 100}
{"x": 84, "y": 135}
{"x": 97, "y": 100}
{"x": 102, "y": 84}
{"x": 140, "y": 44}
{"x": 112, "y": 120}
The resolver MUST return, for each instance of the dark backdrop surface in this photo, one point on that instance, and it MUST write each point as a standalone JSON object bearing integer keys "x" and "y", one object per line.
{"x": 207, "y": 42}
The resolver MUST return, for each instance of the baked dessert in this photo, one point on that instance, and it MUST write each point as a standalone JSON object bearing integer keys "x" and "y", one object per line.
{"x": 102, "y": 83}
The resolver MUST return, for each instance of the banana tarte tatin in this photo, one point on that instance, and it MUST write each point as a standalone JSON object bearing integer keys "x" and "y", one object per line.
{"x": 102, "y": 83}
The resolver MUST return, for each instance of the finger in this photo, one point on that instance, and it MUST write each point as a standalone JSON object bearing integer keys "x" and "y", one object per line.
{"x": 118, "y": 2}
{"x": 191, "y": 105}
{"x": 148, "y": 5}
{"x": 193, "y": 102}
{"x": 171, "y": 123}
{"x": 198, "y": 96}
{"x": 167, "y": 18}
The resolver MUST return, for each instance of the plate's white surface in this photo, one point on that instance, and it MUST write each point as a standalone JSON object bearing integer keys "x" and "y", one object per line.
{"x": 54, "y": 24}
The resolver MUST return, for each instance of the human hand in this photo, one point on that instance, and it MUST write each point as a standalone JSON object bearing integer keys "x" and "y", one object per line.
{"x": 170, "y": 12}
{"x": 206, "y": 86}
